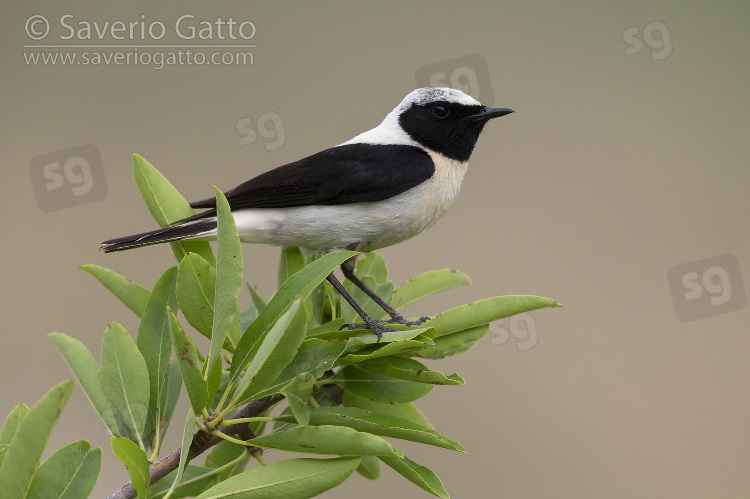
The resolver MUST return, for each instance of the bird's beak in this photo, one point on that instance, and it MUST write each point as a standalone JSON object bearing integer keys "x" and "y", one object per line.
{"x": 487, "y": 113}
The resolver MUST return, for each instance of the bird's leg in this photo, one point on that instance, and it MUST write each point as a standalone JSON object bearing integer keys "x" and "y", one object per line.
{"x": 375, "y": 326}
{"x": 348, "y": 268}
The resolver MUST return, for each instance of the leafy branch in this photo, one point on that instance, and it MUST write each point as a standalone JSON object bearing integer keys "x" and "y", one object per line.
{"x": 199, "y": 444}
{"x": 343, "y": 391}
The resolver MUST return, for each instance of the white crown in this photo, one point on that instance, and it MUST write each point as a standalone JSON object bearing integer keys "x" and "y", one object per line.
{"x": 426, "y": 95}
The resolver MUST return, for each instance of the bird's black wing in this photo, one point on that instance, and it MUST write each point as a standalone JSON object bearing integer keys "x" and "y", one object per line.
{"x": 352, "y": 173}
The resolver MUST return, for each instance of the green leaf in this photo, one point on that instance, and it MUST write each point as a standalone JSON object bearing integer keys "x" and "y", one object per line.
{"x": 369, "y": 467}
{"x": 257, "y": 306}
{"x": 196, "y": 289}
{"x": 213, "y": 381}
{"x": 187, "y": 439}
{"x": 86, "y": 371}
{"x": 195, "y": 479}
{"x": 316, "y": 302}
{"x": 300, "y": 285}
{"x": 125, "y": 380}
{"x": 135, "y": 460}
{"x": 421, "y": 340}
{"x": 196, "y": 292}
{"x": 12, "y": 422}
{"x": 258, "y": 302}
{"x": 379, "y": 388}
{"x": 278, "y": 348}
{"x": 131, "y": 294}
{"x": 187, "y": 359}
{"x": 406, "y": 411}
{"x": 421, "y": 476}
{"x": 228, "y": 278}
{"x": 290, "y": 263}
{"x": 325, "y": 439}
{"x": 297, "y": 392}
{"x": 170, "y": 393}
{"x": 154, "y": 341}
{"x": 69, "y": 473}
{"x": 26, "y": 447}
{"x": 372, "y": 264}
{"x": 332, "y": 302}
{"x": 167, "y": 206}
{"x": 409, "y": 369}
{"x": 289, "y": 479}
{"x": 367, "y": 336}
{"x": 453, "y": 343}
{"x": 223, "y": 453}
{"x": 236, "y": 468}
{"x": 235, "y": 329}
{"x": 327, "y": 330}
{"x": 427, "y": 284}
{"x": 313, "y": 356}
{"x": 485, "y": 311}
{"x": 377, "y": 423}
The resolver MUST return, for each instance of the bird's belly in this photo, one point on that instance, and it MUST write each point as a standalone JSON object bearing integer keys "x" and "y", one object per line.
{"x": 358, "y": 226}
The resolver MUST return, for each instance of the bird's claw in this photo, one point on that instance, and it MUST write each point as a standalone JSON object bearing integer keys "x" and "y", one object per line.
{"x": 379, "y": 324}
{"x": 417, "y": 322}
{"x": 400, "y": 320}
{"x": 373, "y": 325}
{"x": 351, "y": 327}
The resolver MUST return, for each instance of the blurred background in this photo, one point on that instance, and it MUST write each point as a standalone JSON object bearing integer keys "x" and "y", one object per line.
{"x": 618, "y": 188}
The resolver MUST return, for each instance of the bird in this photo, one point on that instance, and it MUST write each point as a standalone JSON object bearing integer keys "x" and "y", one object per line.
{"x": 378, "y": 189}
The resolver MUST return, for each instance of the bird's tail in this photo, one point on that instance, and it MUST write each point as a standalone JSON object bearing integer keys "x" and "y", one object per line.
{"x": 189, "y": 230}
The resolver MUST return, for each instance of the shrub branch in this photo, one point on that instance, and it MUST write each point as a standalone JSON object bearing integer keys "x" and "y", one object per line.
{"x": 202, "y": 441}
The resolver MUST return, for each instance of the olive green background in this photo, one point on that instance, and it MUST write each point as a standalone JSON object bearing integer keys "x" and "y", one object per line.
{"x": 614, "y": 169}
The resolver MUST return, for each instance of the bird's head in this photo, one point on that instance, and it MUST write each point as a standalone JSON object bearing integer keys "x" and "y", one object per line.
{"x": 445, "y": 120}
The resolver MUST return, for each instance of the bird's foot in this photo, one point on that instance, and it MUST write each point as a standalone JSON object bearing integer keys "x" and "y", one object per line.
{"x": 379, "y": 324}
{"x": 399, "y": 319}
{"x": 393, "y": 320}
{"x": 373, "y": 325}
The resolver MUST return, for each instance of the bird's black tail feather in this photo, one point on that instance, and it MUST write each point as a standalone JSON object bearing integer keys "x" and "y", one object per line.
{"x": 164, "y": 235}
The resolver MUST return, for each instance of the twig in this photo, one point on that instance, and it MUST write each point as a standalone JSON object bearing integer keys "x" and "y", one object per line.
{"x": 201, "y": 443}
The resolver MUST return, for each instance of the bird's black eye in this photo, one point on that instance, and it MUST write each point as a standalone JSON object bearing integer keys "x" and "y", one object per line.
{"x": 441, "y": 110}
